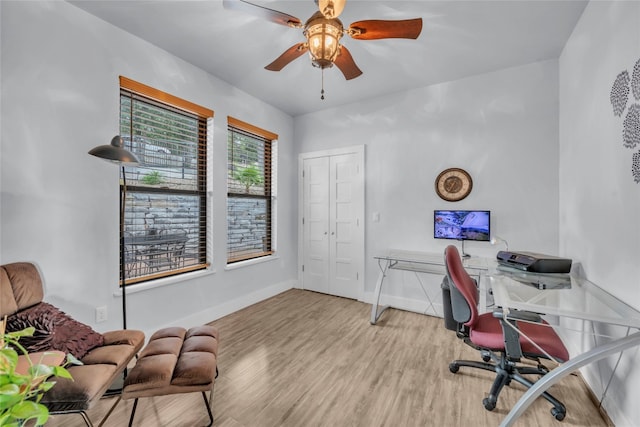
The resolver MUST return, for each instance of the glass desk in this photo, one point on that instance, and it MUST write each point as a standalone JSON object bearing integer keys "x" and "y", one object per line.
{"x": 418, "y": 262}
{"x": 566, "y": 296}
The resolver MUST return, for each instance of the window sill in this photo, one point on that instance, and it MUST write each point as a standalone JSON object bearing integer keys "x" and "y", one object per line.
{"x": 165, "y": 281}
{"x": 249, "y": 262}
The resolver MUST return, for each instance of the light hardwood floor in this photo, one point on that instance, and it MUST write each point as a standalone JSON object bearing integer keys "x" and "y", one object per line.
{"x": 307, "y": 359}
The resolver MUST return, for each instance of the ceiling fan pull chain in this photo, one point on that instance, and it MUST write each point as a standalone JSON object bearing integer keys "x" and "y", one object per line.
{"x": 322, "y": 91}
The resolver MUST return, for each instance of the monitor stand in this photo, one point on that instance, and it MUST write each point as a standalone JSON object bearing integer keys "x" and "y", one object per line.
{"x": 464, "y": 254}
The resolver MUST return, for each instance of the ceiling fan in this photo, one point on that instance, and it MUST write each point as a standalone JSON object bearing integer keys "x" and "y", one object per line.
{"x": 323, "y": 31}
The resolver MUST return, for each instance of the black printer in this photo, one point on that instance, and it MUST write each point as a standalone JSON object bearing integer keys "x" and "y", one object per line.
{"x": 534, "y": 262}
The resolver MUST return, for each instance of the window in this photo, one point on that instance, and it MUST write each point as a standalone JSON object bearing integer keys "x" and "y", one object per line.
{"x": 165, "y": 219}
{"x": 250, "y": 195}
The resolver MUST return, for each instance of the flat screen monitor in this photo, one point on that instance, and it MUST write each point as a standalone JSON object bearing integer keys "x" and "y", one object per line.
{"x": 462, "y": 225}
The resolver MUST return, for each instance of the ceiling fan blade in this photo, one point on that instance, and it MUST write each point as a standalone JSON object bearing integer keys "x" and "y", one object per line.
{"x": 262, "y": 12}
{"x": 382, "y": 29}
{"x": 289, "y": 55}
{"x": 331, "y": 8}
{"x": 347, "y": 65}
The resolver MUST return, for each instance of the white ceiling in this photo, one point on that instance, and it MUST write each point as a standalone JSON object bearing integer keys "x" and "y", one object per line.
{"x": 459, "y": 39}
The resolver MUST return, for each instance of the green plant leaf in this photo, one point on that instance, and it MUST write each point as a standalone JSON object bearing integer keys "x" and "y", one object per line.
{"x": 9, "y": 389}
{"x": 61, "y": 372}
{"x": 19, "y": 380}
{"x": 6, "y": 420}
{"x": 72, "y": 360}
{"x": 40, "y": 370}
{"x": 152, "y": 178}
{"x": 9, "y": 357}
{"x": 26, "y": 332}
{"x": 250, "y": 175}
{"x": 46, "y": 385}
{"x": 5, "y": 379}
{"x": 43, "y": 416}
{"x": 20, "y": 394}
{"x": 7, "y": 400}
{"x": 28, "y": 410}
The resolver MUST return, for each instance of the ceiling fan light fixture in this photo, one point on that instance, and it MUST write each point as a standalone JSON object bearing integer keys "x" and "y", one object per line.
{"x": 331, "y": 8}
{"x": 323, "y": 38}
{"x": 323, "y": 32}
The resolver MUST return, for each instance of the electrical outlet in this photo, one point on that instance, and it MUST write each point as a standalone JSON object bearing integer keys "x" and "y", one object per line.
{"x": 101, "y": 314}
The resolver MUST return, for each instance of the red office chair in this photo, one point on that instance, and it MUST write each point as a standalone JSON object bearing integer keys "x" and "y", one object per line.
{"x": 501, "y": 346}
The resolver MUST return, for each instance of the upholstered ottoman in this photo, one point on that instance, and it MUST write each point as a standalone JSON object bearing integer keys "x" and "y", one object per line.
{"x": 175, "y": 360}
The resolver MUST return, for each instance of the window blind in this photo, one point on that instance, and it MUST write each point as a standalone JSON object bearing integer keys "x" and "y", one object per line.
{"x": 166, "y": 208}
{"x": 249, "y": 192}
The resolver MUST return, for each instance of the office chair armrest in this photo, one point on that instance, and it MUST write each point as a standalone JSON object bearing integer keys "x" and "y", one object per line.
{"x": 508, "y": 321}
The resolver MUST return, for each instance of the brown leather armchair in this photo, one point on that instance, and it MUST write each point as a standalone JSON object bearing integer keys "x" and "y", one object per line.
{"x": 104, "y": 356}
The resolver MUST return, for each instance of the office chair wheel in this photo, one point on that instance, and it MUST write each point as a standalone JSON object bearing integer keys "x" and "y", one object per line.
{"x": 558, "y": 414}
{"x": 489, "y": 404}
{"x": 453, "y": 367}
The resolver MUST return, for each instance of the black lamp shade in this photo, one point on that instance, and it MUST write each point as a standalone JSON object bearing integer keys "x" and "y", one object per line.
{"x": 115, "y": 152}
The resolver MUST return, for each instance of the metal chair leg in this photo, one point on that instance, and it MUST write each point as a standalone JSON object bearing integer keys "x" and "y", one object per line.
{"x": 133, "y": 411}
{"x": 84, "y": 415}
{"x": 110, "y": 411}
{"x": 86, "y": 419}
{"x": 207, "y": 403}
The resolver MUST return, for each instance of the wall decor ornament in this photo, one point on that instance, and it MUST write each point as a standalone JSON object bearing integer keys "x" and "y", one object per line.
{"x": 619, "y": 98}
{"x": 620, "y": 93}
{"x": 453, "y": 184}
{"x": 631, "y": 127}
{"x": 635, "y": 80}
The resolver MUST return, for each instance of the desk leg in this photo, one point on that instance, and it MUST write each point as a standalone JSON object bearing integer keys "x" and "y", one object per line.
{"x": 565, "y": 369}
{"x": 426, "y": 294}
{"x": 375, "y": 314}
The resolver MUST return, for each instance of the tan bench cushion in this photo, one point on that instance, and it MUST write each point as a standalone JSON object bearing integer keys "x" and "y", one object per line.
{"x": 174, "y": 361}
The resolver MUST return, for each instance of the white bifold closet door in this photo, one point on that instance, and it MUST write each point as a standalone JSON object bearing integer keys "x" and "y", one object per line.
{"x": 332, "y": 223}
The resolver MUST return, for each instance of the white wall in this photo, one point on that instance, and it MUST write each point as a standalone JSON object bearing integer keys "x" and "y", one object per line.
{"x": 599, "y": 200}
{"x": 502, "y": 127}
{"x": 59, "y": 206}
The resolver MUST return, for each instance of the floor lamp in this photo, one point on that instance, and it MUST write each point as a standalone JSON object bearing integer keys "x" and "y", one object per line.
{"x": 116, "y": 153}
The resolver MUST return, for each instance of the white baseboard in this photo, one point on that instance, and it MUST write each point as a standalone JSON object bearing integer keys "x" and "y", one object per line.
{"x": 228, "y": 307}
